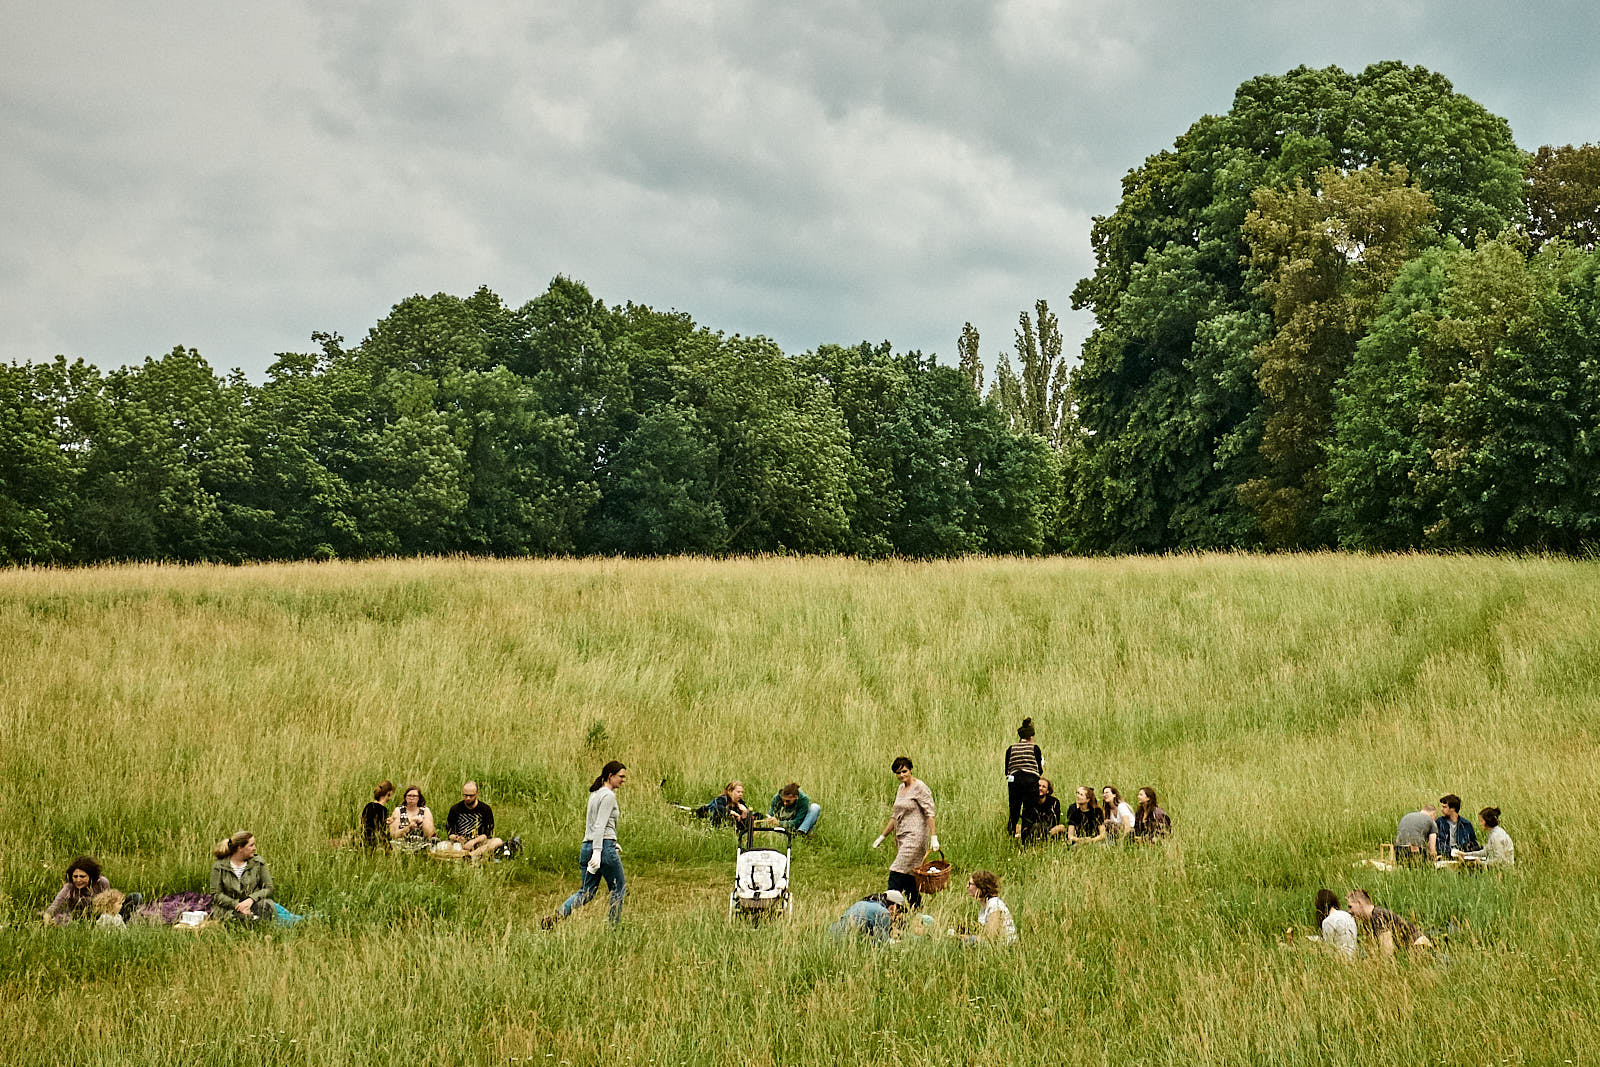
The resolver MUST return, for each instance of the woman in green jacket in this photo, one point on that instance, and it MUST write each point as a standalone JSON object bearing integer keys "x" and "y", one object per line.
{"x": 241, "y": 886}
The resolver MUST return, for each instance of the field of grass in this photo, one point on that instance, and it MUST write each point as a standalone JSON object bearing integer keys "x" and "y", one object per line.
{"x": 1287, "y": 709}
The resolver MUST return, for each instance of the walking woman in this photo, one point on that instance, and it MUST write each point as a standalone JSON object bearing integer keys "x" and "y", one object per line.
{"x": 913, "y": 828}
{"x": 600, "y": 856}
{"x": 1024, "y": 765}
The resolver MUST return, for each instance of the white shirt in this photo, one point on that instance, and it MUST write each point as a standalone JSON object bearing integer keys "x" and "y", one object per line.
{"x": 1124, "y": 815}
{"x": 1339, "y": 932}
{"x": 996, "y": 906}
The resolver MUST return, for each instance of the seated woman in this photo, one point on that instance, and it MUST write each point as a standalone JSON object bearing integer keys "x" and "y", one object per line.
{"x": 83, "y": 883}
{"x": 1338, "y": 927}
{"x": 728, "y": 806}
{"x": 411, "y": 825}
{"x": 995, "y": 925}
{"x": 241, "y": 885}
{"x": 1149, "y": 821}
{"x": 1497, "y": 850}
{"x": 1041, "y": 819}
{"x": 375, "y": 815}
{"x": 1387, "y": 930}
{"x": 1119, "y": 816}
{"x": 1085, "y": 820}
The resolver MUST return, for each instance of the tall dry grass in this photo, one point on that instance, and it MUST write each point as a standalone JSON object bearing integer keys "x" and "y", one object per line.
{"x": 1287, "y": 709}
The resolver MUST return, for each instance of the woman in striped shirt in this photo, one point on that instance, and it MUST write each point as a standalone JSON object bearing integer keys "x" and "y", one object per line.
{"x": 1024, "y": 765}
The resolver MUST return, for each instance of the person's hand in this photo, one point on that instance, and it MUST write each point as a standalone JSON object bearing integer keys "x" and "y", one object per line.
{"x": 935, "y": 842}
{"x": 878, "y": 842}
{"x": 594, "y": 863}
{"x": 243, "y": 907}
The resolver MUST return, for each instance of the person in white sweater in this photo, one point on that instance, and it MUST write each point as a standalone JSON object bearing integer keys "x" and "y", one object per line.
{"x": 600, "y": 856}
{"x": 1497, "y": 850}
{"x": 1338, "y": 926}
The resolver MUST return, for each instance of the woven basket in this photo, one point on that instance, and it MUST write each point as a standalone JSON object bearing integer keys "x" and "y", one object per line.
{"x": 931, "y": 874}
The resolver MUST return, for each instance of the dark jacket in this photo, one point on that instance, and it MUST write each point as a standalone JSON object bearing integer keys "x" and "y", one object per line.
{"x": 1466, "y": 837}
{"x": 1151, "y": 824}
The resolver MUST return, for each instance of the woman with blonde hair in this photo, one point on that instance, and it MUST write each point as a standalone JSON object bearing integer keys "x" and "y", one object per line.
{"x": 729, "y": 806}
{"x": 241, "y": 885}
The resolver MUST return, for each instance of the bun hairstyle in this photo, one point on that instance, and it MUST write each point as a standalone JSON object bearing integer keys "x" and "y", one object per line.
{"x": 384, "y": 788}
{"x": 1326, "y": 902}
{"x": 611, "y": 767}
{"x": 229, "y": 845}
{"x": 1490, "y": 817}
{"x": 1025, "y": 731}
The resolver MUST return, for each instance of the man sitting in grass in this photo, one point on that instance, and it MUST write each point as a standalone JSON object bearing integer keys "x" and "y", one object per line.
{"x": 470, "y": 826}
{"x": 1413, "y": 839}
{"x": 1452, "y": 833}
{"x": 793, "y": 810}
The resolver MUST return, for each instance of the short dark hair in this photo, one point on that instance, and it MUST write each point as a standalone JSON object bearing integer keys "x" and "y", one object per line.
{"x": 1490, "y": 817}
{"x": 88, "y": 865}
{"x": 1451, "y": 801}
{"x": 901, "y": 763}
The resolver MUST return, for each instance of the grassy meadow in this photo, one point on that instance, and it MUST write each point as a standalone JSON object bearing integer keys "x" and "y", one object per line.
{"x": 1288, "y": 710}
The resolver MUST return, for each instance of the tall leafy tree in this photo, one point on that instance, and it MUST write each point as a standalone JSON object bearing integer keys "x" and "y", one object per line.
{"x": 1167, "y": 397}
{"x": 41, "y": 455}
{"x": 1324, "y": 257}
{"x": 1563, "y": 191}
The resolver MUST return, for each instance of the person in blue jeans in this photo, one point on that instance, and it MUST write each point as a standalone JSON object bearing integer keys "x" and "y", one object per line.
{"x": 600, "y": 857}
{"x": 793, "y": 810}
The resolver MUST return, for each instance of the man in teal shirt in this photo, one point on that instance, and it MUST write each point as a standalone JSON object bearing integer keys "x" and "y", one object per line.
{"x": 793, "y": 810}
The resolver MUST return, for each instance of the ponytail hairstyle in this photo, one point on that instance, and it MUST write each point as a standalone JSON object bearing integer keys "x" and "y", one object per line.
{"x": 384, "y": 788}
{"x": 1490, "y": 817}
{"x": 611, "y": 767}
{"x": 229, "y": 845}
{"x": 1025, "y": 731}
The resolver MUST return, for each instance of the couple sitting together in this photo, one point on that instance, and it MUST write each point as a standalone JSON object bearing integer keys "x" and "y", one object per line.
{"x": 469, "y": 825}
{"x": 790, "y": 810}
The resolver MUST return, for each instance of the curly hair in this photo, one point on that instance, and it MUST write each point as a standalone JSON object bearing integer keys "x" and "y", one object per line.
{"x": 987, "y": 883}
{"x": 88, "y": 865}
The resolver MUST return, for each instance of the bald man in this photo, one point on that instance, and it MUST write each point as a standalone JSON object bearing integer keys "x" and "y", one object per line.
{"x": 470, "y": 826}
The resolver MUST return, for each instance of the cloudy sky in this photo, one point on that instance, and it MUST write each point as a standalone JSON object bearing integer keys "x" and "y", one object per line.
{"x": 235, "y": 176}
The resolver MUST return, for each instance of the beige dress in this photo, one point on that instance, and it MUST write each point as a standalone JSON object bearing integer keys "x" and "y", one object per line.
{"x": 913, "y": 807}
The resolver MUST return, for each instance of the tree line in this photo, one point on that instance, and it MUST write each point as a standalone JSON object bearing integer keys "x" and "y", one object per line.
{"x": 1349, "y": 312}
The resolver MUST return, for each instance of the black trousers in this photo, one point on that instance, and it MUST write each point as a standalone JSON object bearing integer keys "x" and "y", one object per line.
{"x": 907, "y": 884}
{"x": 1023, "y": 788}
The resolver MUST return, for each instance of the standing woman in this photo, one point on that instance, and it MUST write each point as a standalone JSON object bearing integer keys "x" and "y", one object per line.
{"x": 600, "y": 855}
{"x": 1024, "y": 765}
{"x": 241, "y": 885}
{"x": 913, "y": 828}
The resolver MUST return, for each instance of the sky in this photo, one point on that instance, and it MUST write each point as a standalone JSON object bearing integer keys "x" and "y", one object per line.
{"x": 233, "y": 177}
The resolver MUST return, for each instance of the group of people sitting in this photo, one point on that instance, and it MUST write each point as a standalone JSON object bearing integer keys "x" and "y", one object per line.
{"x": 1343, "y": 930}
{"x": 790, "y": 810}
{"x": 1438, "y": 834}
{"x": 239, "y": 890}
{"x": 1035, "y": 813}
{"x": 410, "y": 826}
{"x": 882, "y": 915}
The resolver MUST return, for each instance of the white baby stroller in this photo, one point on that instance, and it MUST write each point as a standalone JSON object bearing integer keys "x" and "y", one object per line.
{"x": 760, "y": 877}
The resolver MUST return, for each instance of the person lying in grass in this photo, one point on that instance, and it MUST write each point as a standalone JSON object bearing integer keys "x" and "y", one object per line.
{"x": 728, "y": 806}
{"x": 75, "y": 899}
{"x": 1385, "y": 929}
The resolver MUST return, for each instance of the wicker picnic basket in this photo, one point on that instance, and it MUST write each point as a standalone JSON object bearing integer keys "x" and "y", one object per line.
{"x": 931, "y": 874}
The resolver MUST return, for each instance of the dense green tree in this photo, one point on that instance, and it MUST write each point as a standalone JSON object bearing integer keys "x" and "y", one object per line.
{"x": 1563, "y": 193}
{"x": 1035, "y": 400}
{"x": 969, "y": 358}
{"x": 1323, "y": 259}
{"x": 1471, "y": 414}
{"x": 1167, "y": 398}
{"x": 40, "y": 456}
